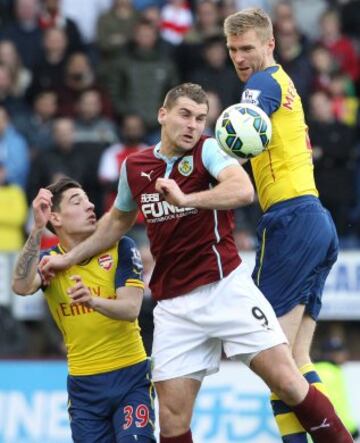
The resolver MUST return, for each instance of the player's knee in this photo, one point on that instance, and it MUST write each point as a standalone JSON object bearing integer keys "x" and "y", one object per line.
{"x": 173, "y": 421}
{"x": 290, "y": 386}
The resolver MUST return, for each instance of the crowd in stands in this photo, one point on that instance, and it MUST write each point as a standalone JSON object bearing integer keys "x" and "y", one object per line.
{"x": 81, "y": 83}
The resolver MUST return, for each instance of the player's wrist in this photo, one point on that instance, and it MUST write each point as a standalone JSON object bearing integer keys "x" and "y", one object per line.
{"x": 37, "y": 229}
{"x": 186, "y": 201}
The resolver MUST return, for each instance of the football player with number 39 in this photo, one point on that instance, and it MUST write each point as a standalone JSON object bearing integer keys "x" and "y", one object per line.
{"x": 297, "y": 240}
{"x": 95, "y": 305}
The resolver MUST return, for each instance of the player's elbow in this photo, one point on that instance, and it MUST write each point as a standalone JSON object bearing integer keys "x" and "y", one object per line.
{"x": 133, "y": 313}
{"x": 19, "y": 289}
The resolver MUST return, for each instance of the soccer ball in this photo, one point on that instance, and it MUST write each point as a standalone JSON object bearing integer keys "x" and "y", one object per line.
{"x": 243, "y": 130}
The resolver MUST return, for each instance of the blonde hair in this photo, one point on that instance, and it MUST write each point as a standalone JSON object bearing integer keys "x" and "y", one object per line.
{"x": 247, "y": 19}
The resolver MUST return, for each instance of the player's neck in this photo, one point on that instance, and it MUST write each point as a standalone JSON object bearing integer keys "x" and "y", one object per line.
{"x": 269, "y": 62}
{"x": 69, "y": 242}
{"x": 169, "y": 151}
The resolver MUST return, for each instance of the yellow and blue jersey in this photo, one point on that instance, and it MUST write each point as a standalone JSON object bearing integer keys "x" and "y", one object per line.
{"x": 285, "y": 170}
{"x": 95, "y": 343}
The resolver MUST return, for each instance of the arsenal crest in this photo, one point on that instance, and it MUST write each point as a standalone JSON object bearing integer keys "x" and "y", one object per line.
{"x": 106, "y": 262}
{"x": 186, "y": 165}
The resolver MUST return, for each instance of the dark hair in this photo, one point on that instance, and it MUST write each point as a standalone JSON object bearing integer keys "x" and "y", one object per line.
{"x": 190, "y": 90}
{"x": 57, "y": 189}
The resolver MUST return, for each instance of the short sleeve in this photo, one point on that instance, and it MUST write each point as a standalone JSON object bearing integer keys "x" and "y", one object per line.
{"x": 214, "y": 158}
{"x": 129, "y": 270}
{"x": 264, "y": 91}
{"x": 124, "y": 200}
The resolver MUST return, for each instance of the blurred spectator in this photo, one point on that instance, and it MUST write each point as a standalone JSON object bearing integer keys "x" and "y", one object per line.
{"x": 5, "y": 12}
{"x": 176, "y": 20}
{"x": 13, "y": 151}
{"x": 344, "y": 103}
{"x": 308, "y": 13}
{"x": 38, "y": 128}
{"x": 139, "y": 80}
{"x": 324, "y": 67}
{"x": 227, "y": 7}
{"x": 85, "y": 14}
{"x": 90, "y": 126}
{"x": 206, "y": 24}
{"x": 21, "y": 76}
{"x": 13, "y": 336}
{"x": 15, "y": 106}
{"x": 153, "y": 14}
{"x": 50, "y": 69}
{"x": 132, "y": 140}
{"x": 334, "y": 355}
{"x": 263, "y": 4}
{"x": 13, "y": 213}
{"x": 350, "y": 19}
{"x": 62, "y": 159}
{"x": 115, "y": 28}
{"x": 292, "y": 53}
{"x": 79, "y": 76}
{"x": 51, "y": 16}
{"x": 340, "y": 46}
{"x": 333, "y": 152}
{"x": 25, "y": 32}
{"x": 216, "y": 74}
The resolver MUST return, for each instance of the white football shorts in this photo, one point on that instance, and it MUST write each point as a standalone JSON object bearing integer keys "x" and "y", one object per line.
{"x": 231, "y": 316}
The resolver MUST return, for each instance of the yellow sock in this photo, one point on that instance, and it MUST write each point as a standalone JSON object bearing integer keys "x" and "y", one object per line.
{"x": 312, "y": 377}
{"x": 289, "y": 426}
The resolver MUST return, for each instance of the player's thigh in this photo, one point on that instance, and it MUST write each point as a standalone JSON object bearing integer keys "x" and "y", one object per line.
{"x": 291, "y": 323}
{"x": 303, "y": 341}
{"x": 134, "y": 413}
{"x": 89, "y": 411}
{"x": 88, "y": 427}
{"x": 295, "y": 243}
{"x": 181, "y": 345}
{"x": 245, "y": 320}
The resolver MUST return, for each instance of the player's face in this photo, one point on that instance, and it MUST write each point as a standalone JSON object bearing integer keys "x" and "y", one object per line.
{"x": 250, "y": 53}
{"x": 76, "y": 215}
{"x": 182, "y": 125}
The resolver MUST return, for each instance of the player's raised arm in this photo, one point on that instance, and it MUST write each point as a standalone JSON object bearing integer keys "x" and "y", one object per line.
{"x": 111, "y": 227}
{"x": 26, "y": 280}
{"x": 233, "y": 190}
{"x": 234, "y": 187}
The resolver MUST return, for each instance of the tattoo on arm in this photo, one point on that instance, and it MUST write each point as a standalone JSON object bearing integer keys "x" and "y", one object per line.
{"x": 29, "y": 257}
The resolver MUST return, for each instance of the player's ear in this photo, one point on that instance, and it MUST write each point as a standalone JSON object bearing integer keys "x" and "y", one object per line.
{"x": 161, "y": 115}
{"x": 55, "y": 219}
{"x": 272, "y": 44}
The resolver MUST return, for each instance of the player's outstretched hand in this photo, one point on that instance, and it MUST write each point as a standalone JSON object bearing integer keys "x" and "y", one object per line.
{"x": 170, "y": 190}
{"x": 79, "y": 292}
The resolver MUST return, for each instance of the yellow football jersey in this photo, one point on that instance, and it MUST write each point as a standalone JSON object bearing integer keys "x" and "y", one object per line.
{"x": 96, "y": 343}
{"x": 285, "y": 169}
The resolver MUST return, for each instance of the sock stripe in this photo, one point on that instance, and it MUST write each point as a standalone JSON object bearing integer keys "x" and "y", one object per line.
{"x": 289, "y": 425}
{"x": 294, "y": 438}
{"x": 312, "y": 377}
{"x": 279, "y": 407}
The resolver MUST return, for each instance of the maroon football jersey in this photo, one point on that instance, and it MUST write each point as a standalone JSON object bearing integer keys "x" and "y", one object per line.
{"x": 192, "y": 247}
